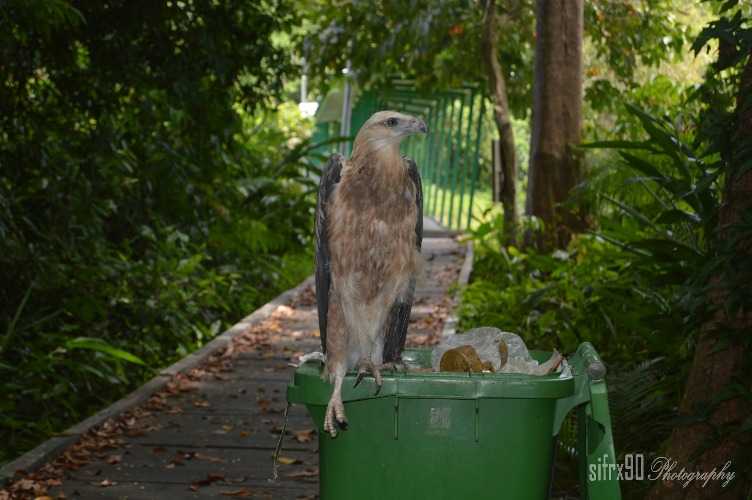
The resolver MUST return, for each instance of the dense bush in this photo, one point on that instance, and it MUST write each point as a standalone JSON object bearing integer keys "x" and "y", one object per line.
{"x": 150, "y": 194}
{"x": 593, "y": 291}
{"x": 627, "y": 284}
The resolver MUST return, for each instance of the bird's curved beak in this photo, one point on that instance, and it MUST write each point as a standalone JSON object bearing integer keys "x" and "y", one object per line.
{"x": 418, "y": 126}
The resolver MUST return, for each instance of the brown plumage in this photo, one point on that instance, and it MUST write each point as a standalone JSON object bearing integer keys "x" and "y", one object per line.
{"x": 368, "y": 232}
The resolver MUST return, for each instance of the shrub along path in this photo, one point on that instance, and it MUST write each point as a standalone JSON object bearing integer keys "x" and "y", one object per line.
{"x": 210, "y": 430}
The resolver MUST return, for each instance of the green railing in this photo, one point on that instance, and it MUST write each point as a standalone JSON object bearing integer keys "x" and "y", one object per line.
{"x": 448, "y": 156}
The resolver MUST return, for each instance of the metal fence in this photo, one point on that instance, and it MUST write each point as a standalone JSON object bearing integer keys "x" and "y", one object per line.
{"x": 448, "y": 156}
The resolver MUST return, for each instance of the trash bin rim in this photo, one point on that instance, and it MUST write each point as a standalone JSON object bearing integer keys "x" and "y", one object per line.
{"x": 308, "y": 387}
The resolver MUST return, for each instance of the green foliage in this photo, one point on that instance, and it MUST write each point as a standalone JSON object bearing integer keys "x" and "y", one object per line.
{"x": 437, "y": 43}
{"x": 639, "y": 52}
{"x": 627, "y": 35}
{"x": 102, "y": 346}
{"x": 434, "y": 42}
{"x": 149, "y": 195}
{"x": 635, "y": 287}
{"x": 592, "y": 292}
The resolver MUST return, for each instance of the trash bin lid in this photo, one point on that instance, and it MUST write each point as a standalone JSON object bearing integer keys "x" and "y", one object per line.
{"x": 308, "y": 386}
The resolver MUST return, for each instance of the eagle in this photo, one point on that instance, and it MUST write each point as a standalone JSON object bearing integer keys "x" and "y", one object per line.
{"x": 369, "y": 230}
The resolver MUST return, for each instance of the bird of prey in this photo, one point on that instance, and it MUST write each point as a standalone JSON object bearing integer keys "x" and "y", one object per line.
{"x": 369, "y": 229}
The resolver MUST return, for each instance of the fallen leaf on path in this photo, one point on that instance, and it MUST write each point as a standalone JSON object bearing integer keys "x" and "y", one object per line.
{"x": 211, "y": 478}
{"x": 304, "y": 436}
{"x": 277, "y": 429}
{"x": 309, "y": 472}
{"x": 201, "y": 456}
{"x": 106, "y": 483}
{"x": 244, "y": 492}
{"x": 263, "y": 405}
{"x": 179, "y": 459}
{"x": 28, "y": 485}
{"x": 73, "y": 460}
{"x": 287, "y": 460}
{"x": 283, "y": 311}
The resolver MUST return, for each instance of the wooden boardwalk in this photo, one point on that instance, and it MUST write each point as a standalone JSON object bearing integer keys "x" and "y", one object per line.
{"x": 211, "y": 431}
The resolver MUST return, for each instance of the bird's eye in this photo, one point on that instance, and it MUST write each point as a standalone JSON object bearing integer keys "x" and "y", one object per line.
{"x": 391, "y": 122}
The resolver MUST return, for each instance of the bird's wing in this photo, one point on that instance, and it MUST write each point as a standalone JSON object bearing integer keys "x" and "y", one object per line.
{"x": 399, "y": 314}
{"x": 415, "y": 177}
{"x": 329, "y": 179}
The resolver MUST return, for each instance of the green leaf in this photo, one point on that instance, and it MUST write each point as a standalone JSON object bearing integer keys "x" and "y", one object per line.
{"x": 189, "y": 265}
{"x": 643, "y": 146}
{"x": 728, "y": 5}
{"x": 102, "y": 346}
{"x": 12, "y": 326}
{"x": 675, "y": 215}
{"x": 677, "y": 187}
{"x": 642, "y": 166}
{"x": 667, "y": 248}
{"x": 629, "y": 210}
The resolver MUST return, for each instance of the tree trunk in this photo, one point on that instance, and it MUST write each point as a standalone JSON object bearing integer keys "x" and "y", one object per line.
{"x": 557, "y": 118}
{"x": 498, "y": 89}
{"x": 721, "y": 359}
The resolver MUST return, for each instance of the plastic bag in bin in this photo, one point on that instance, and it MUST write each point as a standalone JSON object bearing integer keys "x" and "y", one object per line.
{"x": 489, "y": 349}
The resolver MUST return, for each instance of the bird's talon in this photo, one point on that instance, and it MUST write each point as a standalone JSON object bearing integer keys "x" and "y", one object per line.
{"x": 378, "y": 378}
{"x": 329, "y": 428}
{"x": 395, "y": 366}
{"x": 335, "y": 411}
{"x": 359, "y": 378}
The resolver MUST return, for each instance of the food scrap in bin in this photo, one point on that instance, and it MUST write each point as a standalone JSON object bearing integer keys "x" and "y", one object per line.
{"x": 488, "y": 349}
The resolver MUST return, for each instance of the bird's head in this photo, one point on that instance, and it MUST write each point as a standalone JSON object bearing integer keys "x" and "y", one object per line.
{"x": 387, "y": 129}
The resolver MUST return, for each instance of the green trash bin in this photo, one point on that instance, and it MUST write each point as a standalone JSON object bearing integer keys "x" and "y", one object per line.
{"x": 460, "y": 436}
